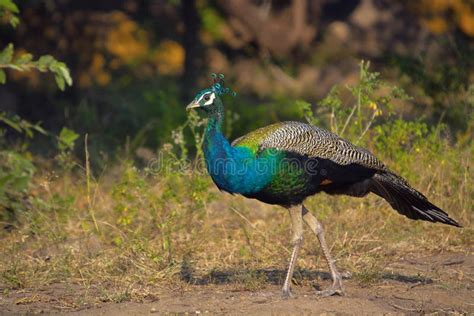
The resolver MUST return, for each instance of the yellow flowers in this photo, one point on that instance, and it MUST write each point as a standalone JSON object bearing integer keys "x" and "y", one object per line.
{"x": 373, "y": 106}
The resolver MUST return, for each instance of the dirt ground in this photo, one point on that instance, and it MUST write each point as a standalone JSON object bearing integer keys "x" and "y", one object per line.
{"x": 441, "y": 283}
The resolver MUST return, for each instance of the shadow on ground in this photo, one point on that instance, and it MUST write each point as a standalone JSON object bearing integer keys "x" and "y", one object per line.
{"x": 276, "y": 277}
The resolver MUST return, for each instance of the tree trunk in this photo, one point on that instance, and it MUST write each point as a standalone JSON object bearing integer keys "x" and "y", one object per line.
{"x": 193, "y": 49}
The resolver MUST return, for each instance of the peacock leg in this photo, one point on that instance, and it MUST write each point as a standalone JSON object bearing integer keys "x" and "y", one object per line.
{"x": 297, "y": 240}
{"x": 317, "y": 228}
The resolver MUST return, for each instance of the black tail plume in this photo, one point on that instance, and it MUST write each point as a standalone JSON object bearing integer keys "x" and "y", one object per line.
{"x": 406, "y": 200}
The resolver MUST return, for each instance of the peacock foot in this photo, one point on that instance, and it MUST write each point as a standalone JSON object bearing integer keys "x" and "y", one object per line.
{"x": 286, "y": 293}
{"x": 335, "y": 289}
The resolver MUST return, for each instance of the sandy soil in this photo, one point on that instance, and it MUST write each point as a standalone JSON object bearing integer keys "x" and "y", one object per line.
{"x": 442, "y": 283}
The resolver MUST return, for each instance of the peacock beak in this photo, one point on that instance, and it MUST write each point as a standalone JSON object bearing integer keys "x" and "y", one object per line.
{"x": 192, "y": 105}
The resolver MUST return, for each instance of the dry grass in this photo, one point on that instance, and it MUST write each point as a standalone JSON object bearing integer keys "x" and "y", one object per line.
{"x": 175, "y": 229}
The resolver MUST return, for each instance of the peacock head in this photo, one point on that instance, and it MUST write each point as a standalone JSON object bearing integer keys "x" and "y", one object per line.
{"x": 209, "y": 98}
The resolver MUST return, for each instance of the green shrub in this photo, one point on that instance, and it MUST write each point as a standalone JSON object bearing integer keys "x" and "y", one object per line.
{"x": 16, "y": 173}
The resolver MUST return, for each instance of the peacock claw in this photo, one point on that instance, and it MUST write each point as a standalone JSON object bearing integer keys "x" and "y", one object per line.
{"x": 330, "y": 292}
{"x": 286, "y": 294}
{"x": 335, "y": 289}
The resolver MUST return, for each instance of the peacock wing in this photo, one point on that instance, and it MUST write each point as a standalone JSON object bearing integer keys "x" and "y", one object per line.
{"x": 254, "y": 139}
{"x": 311, "y": 141}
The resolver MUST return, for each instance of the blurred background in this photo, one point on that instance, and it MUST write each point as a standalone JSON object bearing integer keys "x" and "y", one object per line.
{"x": 136, "y": 64}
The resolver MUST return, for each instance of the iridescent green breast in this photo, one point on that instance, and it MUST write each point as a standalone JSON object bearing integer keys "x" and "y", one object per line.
{"x": 289, "y": 181}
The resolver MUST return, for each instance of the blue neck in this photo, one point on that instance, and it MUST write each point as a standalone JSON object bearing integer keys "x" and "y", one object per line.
{"x": 233, "y": 169}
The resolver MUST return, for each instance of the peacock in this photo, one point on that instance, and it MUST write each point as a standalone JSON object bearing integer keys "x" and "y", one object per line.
{"x": 286, "y": 162}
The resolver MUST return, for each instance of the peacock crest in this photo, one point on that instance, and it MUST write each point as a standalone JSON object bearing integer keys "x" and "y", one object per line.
{"x": 219, "y": 85}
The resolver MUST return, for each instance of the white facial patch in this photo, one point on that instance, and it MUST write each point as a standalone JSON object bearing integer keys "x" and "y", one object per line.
{"x": 211, "y": 97}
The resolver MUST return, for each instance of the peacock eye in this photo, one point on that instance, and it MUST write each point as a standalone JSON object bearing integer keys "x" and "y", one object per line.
{"x": 206, "y": 97}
